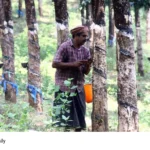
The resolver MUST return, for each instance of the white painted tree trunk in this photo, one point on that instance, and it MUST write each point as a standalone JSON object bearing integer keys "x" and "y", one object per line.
{"x": 99, "y": 76}
{"x": 7, "y": 44}
{"x": 34, "y": 77}
{"x": 127, "y": 94}
{"x": 61, "y": 17}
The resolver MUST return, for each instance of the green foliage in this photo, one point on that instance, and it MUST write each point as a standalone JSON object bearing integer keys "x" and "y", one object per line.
{"x": 144, "y": 116}
{"x": 140, "y": 93}
{"x": 15, "y": 117}
{"x": 88, "y": 78}
{"x": 63, "y": 105}
{"x": 112, "y": 89}
{"x": 113, "y": 121}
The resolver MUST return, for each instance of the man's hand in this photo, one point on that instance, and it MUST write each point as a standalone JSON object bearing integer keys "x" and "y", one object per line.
{"x": 84, "y": 62}
{"x": 87, "y": 66}
{"x": 77, "y": 64}
{"x": 90, "y": 61}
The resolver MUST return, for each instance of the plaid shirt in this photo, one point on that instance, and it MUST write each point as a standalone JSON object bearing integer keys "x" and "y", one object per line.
{"x": 68, "y": 53}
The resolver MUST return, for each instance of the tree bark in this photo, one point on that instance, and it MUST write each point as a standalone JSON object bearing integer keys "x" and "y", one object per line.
{"x": 88, "y": 14}
{"x": 82, "y": 13}
{"x": 148, "y": 27}
{"x": 127, "y": 95}
{"x": 99, "y": 113}
{"x": 117, "y": 53}
{"x": 88, "y": 23}
{"x": 34, "y": 77}
{"x": 40, "y": 7}
{"x": 139, "y": 42}
{"x": 91, "y": 33}
{"x": 7, "y": 44}
{"x": 20, "y": 9}
{"x": 111, "y": 24}
{"x": 61, "y": 17}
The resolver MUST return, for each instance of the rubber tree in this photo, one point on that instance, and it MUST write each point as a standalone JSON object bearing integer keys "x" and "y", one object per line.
{"x": 146, "y": 5}
{"x": 139, "y": 40}
{"x": 61, "y": 17}
{"x": 20, "y": 13}
{"x": 99, "y": 76}
{"x": 33, "y": 66}
{"x": 127, "y": 92}
{"x": 7, "y": 45}
{"x": 86, "y": 12}
{"x": 111, "y": 35}
{"x": 148, "y": 27}
{"x": 82, "y": 8}
{"x": 86, "y": 18}
{"x": 40, "y": 2}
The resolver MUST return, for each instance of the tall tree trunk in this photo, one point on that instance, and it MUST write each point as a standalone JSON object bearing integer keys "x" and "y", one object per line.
{"x": 82, "y": 12}
{"x": 117, "y": 53}
{"x": 7, "y": 44}
{"x": 34, "y": 78}
{"x": 139, "y": 42}
{"x": 88, "y": 14}
{"x": 61, "y": 16}
{"x": 127, "y": 95}
{"x": 20, "y": 8}
{"x": 111, "y": 24}
{"x": 99, "y": 114}
{"x": 88, "y": 24}
{"x": 148, "y": 27}
{"x": 91, "y": 33}
{"x": 40, "y": 7}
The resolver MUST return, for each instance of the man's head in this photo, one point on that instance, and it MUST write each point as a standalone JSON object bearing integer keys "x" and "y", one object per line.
{"x": 80, "y": 34}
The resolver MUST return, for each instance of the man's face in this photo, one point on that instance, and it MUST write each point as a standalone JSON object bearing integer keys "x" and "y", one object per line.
{"x": 83, "y": 37}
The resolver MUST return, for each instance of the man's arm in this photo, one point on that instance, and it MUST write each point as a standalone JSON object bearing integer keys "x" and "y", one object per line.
{"x": 66, "y": 65}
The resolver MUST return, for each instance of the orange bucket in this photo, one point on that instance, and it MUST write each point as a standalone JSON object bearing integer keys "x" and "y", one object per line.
{"x": 88, "y": 93}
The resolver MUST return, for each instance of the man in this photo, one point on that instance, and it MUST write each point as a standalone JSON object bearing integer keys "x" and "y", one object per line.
{"x": 72, "y": 60}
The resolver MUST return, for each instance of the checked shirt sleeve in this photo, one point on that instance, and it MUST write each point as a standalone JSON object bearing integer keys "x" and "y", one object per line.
{"x": 60, "y": 54}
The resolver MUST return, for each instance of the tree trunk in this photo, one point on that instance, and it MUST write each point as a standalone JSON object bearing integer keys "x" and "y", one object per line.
{"x": 40, "y": 7}
{"x": 88, "y": 23}
{"x": 139, "y": 42}
{"x": 127, "y": 96}
{"x": 61, "y": 15}
{"x": 20, "y": 9}
{"x": 34, "y": 78}
{"x": 111, "y": 25}
{"x": 148, "y": 27}
{"x": 117, "y": 53}
{"x": 7, "y": 44}
{"x": 88, "y": 14}
{"x": 82, "y": 13}
{"x": 91, "y": 33}
{"x": 99, "y": 113}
